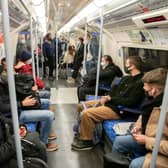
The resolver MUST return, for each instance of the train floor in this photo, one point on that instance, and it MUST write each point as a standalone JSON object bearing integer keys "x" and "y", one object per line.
{"x": 65, "y": 101}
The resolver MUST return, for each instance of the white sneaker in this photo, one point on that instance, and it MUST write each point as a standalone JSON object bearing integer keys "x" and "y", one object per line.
{"x": 70, "y": 80}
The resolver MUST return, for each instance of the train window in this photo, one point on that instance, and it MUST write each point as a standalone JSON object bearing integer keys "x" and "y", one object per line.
{"x": 151, "y": 57}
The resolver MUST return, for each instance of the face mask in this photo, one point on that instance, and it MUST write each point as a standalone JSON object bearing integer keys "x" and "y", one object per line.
{"x": 23, "y": 41}
{"x": 127, "y": 69}
{"x": 29, "y": 61}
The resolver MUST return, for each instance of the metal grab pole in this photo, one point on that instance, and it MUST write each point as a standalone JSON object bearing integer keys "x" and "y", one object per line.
{"x": 37, "y": 58}
{"x": 42, "y": 56}
{"x": 11, "y": 83}
{"x": 32, "y": 52}
{"x": 99, "y": 56}
{"x": 56, "y": 50}
{"x": 160, "y": 127}
{"x": 85, "y": 45}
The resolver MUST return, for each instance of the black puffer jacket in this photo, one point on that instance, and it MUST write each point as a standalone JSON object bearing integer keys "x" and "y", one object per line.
{"x": 105, "y": 78}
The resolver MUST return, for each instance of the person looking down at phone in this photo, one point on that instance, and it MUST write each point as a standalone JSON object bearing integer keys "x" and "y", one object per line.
{"x": 141, "y": 141}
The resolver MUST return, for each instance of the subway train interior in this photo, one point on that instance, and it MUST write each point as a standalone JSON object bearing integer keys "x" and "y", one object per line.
{"x": 83, "y": 83}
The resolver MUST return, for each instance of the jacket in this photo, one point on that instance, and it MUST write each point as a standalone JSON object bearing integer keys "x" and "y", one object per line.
{"x": 7, "y": 147}
{"x": 129, "y": 92}
{"x": 151, "y": 128}
{"x": 4, "y": 97}
{"x": 106, "y": 76}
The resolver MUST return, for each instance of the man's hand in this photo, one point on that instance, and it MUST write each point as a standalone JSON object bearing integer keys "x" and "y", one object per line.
{"x": 104, "y": 99}
{"x": 139, "y": 138}
{"x": 35, "y": 88}
{"x": 29, "y": 101}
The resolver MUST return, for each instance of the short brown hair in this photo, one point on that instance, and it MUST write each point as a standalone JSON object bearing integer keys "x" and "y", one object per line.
{"x": 137, "y": 61}
{"x": 156, "y": 76}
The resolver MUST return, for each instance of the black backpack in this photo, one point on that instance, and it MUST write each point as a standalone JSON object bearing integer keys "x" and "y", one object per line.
{"x": 33, "y": 147}
{"x": 32, "y": 162}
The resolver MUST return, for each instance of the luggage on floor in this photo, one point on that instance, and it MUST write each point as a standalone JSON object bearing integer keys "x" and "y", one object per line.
{"x": 116, "y": 160}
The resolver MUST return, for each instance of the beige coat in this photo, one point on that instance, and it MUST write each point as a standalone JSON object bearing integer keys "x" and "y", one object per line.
{"x": 162, "y": 159}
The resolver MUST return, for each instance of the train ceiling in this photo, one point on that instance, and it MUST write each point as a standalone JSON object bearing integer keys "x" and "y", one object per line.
{"x": 61, "y": 11}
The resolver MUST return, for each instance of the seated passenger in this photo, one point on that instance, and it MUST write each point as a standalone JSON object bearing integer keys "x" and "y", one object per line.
{"x": 128, "y": 92}
{"x": 43, "y": 115}
{"x": 24, "y": 66}
{"x": 4, "y": 67}
{"x": 108, "y": 72}
{"x": 140, "y": 144}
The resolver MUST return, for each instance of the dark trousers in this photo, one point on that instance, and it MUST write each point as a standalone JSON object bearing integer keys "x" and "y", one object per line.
{"x": 51, "y": 66}
{"x": 82, "y": 91}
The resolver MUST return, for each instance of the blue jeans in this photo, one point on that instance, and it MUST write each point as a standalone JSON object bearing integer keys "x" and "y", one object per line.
{"x": 44, "y": 94}
{"x": 126, "y": 144}
{"x": 45, "y": 104}
{"x": 137, "y": 162}
{"x": 45, "y": 117}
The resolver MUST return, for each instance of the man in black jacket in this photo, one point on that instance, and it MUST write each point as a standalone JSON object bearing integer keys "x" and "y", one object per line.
{"x": 128, "y": 92}
{"x": 108, "y": 72}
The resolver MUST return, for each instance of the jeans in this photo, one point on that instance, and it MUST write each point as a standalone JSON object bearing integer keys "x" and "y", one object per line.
{"x": 45, "y": 117}
{"x": 44, "y": 94}
{"x": 126, "y": 144}
{"x": 45, "y": 104}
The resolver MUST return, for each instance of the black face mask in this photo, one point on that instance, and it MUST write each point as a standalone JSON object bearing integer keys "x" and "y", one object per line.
{"x": 147, "y": 96}
{"x": 126, "y": 69}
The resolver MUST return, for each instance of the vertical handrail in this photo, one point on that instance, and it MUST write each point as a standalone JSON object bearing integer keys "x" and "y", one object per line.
{"x": 160, "y": 127}
{"x": 37, "y": 57}
{"x": 85, "y": 45}
{"x": 32, "y": 48}
{"x": 56, "y": 50}
{"x": 42, "y": 56}
{"x": 99, "y": 55}
{"x": 11, "y": 82}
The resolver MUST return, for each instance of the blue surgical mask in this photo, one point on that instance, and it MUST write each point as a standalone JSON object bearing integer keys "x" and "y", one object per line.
{"x": 29, "y": 61}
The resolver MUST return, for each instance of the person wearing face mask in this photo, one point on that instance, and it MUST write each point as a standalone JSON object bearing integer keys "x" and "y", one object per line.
{"x": 108, "y": 71}
{"x": 141, "y": 141}
{"x": 129, "y": 92}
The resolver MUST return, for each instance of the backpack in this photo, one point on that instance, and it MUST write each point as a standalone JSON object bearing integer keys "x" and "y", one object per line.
{"x": 33, "y": 147}
{"x": 31, "y": 162}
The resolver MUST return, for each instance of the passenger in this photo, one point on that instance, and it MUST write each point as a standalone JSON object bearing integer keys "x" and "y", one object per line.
{"x": 48, "y": 53}
{"x": 43, "y": 115}
{"x": 108, "y": 72}
{"x": 68, "y": 60}
{"x": 24, "y": 66}
{"x": 78, "y": 59}
{"x": 4, "y": 67}
{"x": 128, "y": 92}
{"x": 140, "y": 144}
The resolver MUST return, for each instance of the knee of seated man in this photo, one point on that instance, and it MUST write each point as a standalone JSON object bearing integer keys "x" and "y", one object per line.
{"x": 79, "y": 107}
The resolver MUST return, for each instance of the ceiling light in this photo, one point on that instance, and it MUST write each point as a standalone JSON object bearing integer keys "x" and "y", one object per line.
{"x": 101, "y": 3}
{"x": 91, "y": 8}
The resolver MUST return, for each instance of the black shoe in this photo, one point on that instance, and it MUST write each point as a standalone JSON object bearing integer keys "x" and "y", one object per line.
{"x": 81, "y": 145}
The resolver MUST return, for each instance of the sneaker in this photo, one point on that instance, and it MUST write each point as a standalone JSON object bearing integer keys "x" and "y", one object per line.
{"x": 81, "y": 145}
{"x": 51, "y": 147}
{"x": 70, "y": 80}
{"x": 52, "y": 137}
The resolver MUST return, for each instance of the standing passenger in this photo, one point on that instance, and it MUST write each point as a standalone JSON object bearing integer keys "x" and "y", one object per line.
{"x": 78, "y": 59}
{"x": 48, "y": 53}
{"x": 128, "y": 92}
